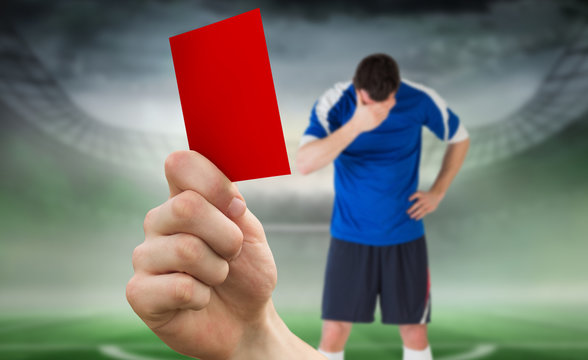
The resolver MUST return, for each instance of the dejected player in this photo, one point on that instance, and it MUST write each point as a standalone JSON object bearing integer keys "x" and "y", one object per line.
{"x": 371, "y": 128}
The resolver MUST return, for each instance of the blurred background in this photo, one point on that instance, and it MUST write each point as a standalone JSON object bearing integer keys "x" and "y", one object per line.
{"x": 89, "y": 109}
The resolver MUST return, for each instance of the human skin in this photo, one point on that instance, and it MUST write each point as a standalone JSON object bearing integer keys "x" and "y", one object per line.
{"x": 205, "y": 274}
{"x": 368, "y": 115}
{"x": 428, "y": 201}
{"x": 316, "y": 154}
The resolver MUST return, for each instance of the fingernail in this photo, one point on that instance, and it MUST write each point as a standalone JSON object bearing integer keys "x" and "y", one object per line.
{"x": 236, "y": 208}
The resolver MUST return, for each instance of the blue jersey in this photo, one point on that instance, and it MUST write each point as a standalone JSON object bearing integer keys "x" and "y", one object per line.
{"x": 376, "y": 174}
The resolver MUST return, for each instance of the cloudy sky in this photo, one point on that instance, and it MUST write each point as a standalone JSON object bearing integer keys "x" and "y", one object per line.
{"x": 114, "y": 59}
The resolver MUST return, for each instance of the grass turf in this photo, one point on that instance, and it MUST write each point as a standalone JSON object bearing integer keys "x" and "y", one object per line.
{"x": 520, "y": 332}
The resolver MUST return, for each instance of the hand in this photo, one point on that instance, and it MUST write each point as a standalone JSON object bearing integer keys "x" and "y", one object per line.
{"x": 426, "y": 203}
{"x": 205, "y": 273}
{"x": 369, "y": 114}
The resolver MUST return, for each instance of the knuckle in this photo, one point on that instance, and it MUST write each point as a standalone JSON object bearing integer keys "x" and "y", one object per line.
{"x": 187, "y": 205}
{"x": 149, "y": 220}
{"x": 187, "y": 292}
{"x": 132, "y": 291}
{"x": 188, "y": 249}
{"x": 174, "y": 161}
{"x": 184, "y": 290}
{"x": 138, "y": 256}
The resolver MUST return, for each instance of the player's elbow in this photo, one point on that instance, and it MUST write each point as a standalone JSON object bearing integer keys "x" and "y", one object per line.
{"x": 303, "y": 166}
{"x": 303, "y": 161}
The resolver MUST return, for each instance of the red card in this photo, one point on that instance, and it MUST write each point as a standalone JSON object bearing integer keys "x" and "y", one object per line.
{"x": 228, "y": 98}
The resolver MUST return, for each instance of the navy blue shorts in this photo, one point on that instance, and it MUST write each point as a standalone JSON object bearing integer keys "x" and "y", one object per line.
{"x": 357, "y": 274}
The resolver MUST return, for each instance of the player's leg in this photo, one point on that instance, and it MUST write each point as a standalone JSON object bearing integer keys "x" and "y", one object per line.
{"x": 414, "y": 336}
{"x": 349, "y": 295}
{"x": 405, "y": 298}
{"x": 334, "y": 337}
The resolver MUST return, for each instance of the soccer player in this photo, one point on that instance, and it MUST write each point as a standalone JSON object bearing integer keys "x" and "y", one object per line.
{"x": 371, "y": 129}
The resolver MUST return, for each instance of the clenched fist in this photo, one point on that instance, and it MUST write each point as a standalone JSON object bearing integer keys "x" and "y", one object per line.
{"x": 205, "y": 273}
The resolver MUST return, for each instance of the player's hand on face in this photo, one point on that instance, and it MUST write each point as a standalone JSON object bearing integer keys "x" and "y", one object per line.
{"x": 426, "y": 202}
{"x": 369, "y": 113}
{"x": 204, "y": 274}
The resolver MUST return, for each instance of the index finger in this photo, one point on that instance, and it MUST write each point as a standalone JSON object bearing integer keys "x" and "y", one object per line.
{"x": 189, "y": 170}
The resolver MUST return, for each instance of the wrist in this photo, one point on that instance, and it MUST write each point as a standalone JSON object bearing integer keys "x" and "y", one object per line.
{"x": 438, "y": 191}
{"x": 354, "y": 126}
{"x": 270, "y": 338}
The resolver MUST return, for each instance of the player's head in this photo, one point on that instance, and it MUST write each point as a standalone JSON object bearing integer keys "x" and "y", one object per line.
{"x": 378, "y": 75}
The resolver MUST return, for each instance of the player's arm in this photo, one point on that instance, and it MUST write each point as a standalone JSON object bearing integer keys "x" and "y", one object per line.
{"x": 205, "y": 274}
{"x": 428, "y": 201}
{"x": 316, "y": 154}
{"x": 452, "y": 161}
{"x": 447, "y": 126}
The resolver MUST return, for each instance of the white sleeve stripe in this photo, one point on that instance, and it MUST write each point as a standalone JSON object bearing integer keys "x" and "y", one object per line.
{"x": 306, "y": 139}
{"x": 460, "y": 135}
{"x": 438, "y": 100}
{"x": 327, "y": 101}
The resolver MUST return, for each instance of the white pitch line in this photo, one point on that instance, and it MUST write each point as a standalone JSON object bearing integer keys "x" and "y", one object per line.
{"x": 570, "y": 345}
{"x": 116, "y": 352}
{"x": 478, "y": 352}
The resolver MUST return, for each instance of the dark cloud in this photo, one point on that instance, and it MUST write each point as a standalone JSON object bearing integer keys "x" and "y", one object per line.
{"x": 83, "y": 18}
{"x": 80, "y": 22}
{"x": 323, "y": 9}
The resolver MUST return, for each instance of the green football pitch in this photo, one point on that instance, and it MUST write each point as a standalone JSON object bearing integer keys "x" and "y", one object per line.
{"x": 515, "y": 332}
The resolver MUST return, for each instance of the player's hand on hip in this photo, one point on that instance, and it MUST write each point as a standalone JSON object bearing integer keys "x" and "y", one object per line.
{"x": 426, "y": 202}
{"x": 204, "y": 274}
{"x": 370, "y": 114}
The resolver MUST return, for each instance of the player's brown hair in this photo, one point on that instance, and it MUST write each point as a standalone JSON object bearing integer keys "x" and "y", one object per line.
{"x": 377, "y": 74}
